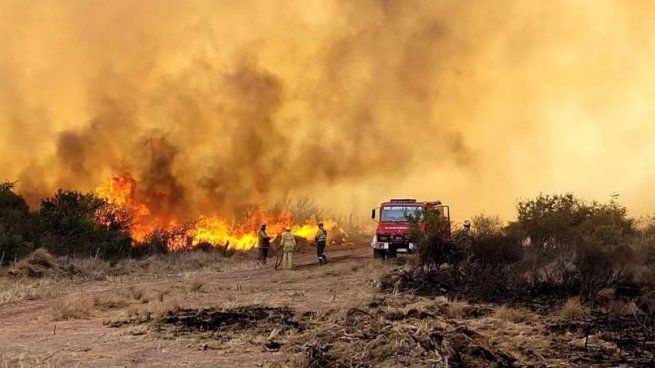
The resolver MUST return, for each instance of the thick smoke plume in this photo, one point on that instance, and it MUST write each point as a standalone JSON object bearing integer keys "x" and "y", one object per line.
{"x": 216, "y": 105}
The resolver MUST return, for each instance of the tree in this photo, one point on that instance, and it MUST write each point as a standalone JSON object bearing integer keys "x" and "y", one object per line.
{"x": 603, "y": 253}
{"x": 550, "y": 224}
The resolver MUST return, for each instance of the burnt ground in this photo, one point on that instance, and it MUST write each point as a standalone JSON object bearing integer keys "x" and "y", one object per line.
{"x": 244, "y": 315}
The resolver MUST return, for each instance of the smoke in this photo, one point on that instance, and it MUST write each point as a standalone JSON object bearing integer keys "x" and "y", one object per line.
{"x": 217, "y": 105}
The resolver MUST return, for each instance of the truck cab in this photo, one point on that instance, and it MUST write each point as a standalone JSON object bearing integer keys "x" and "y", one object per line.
{"x": 392, "y": 234}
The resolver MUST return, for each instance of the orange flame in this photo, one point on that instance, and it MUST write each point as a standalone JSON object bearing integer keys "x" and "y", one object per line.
{"x": 213, "y": 229}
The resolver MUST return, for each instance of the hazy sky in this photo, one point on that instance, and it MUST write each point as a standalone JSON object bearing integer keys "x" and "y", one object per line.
{"x": 216, "y": 104}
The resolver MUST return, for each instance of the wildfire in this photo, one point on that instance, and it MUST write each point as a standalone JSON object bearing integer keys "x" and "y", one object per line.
{"x": 212, "y": 229}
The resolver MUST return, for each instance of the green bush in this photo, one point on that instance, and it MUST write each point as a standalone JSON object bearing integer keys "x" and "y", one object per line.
{"x": 434, "y": 246}
{"x": 567, "y": 236}
{"x": 16, "y": 225}
{"x": 73, "y": 223}
{"x": 487, "y": 225}
{"x": 549, "y": 224}
{"x": 493, "y": 268}
{"x": 560, "y": 245}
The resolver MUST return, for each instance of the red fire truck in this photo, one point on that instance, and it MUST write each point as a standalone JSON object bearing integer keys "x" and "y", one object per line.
{"x": 392, "y": 234}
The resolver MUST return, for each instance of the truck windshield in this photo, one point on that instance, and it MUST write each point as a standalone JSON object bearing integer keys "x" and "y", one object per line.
{"x": 397, "y": 213}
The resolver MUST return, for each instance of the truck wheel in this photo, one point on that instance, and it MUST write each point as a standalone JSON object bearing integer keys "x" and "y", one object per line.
{"x": 379, "y": 253}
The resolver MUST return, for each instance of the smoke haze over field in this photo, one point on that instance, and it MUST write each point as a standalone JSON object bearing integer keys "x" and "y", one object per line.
{"x": 217, "y": 104}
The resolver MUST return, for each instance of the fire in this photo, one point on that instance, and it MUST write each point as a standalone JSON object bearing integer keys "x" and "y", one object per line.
{"x": 213, "y": 229}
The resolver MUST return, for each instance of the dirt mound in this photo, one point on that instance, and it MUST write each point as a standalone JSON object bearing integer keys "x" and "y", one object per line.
{"x": 41, "y": 264}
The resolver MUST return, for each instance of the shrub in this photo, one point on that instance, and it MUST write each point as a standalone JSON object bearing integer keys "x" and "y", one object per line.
{"x": 487, "y": 225}
{"x": 493, "y": 267}
{"x": 16, "y": 225}
{"x": 572, "y": 241}
{"x": 495, "y": 249}
{"x": 599, "y": 267}
{"x": 572, "y": 310}
{"x": 73, "y": 223}
{"x": 603, "y": 256}
{"x": 155, "y": 243}
{"x": 549, "y": 224}
{"x": 434, "y": 247}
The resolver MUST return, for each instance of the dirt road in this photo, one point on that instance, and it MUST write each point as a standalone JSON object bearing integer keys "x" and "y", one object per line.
{"x": 74, "y": 328}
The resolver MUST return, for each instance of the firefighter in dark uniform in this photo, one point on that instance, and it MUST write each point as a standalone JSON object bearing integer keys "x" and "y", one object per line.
{"x": 466, "y": 230}
{"x": 263, "y": 241}
{"x": 321, "y": 240}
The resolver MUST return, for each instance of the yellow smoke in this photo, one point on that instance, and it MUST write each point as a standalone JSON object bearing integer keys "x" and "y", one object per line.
{"x": 219, "y": 104}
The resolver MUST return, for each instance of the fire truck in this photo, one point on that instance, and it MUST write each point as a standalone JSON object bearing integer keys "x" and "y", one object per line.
{"x": 392, "y": 235}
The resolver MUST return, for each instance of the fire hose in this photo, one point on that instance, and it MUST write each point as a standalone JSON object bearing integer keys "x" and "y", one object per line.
{"x": 278, "y": 257}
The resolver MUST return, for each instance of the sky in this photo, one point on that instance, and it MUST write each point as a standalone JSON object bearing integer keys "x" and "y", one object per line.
{"x": 218, "y": 105}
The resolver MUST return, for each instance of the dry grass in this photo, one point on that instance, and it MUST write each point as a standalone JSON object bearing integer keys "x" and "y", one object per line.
{"x": 339, "y": 269}
{"x": 529, "y": 342}
{"x": 196, "y": 286}
{"x": 155, "y": 311}
{"x": 28, "y": 361}
{"x": 75, "y": 308}
{"x": 42, "y": 264}
{"x": 110, "y": 302}
{"x": 572, "y": 310}
{"x": 619, "y": 308}
{"x": 15, "y": 290}
{"x": 514, "y": 315}
{"x": 456, "y": 309}
{"x": 38, "y": 264}
{"x": 379, "y": 335}
{"x": 134, "y": 292}
{"x": 92, "y": 268}
{"x": 83, "y": 307}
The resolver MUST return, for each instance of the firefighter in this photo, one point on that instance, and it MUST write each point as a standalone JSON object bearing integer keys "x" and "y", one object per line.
{"x": 263, "y": 242}
{"x": 288, "y": 245}
{"x": 465, "y": 238}
{"x": 466, "y": 230}
{"x": 321, "y": 239}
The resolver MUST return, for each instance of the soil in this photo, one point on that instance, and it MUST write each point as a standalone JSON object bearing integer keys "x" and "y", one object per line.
{"x": 242, "y": 314}
{"x": 29, "y": 336}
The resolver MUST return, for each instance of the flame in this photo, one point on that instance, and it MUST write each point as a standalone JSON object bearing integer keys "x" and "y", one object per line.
{"x": 211, "y": 229}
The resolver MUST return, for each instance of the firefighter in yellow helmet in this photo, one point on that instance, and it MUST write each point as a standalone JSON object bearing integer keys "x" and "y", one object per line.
{"x": 321, "y": 239}
{"x": 288, "y": 245}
